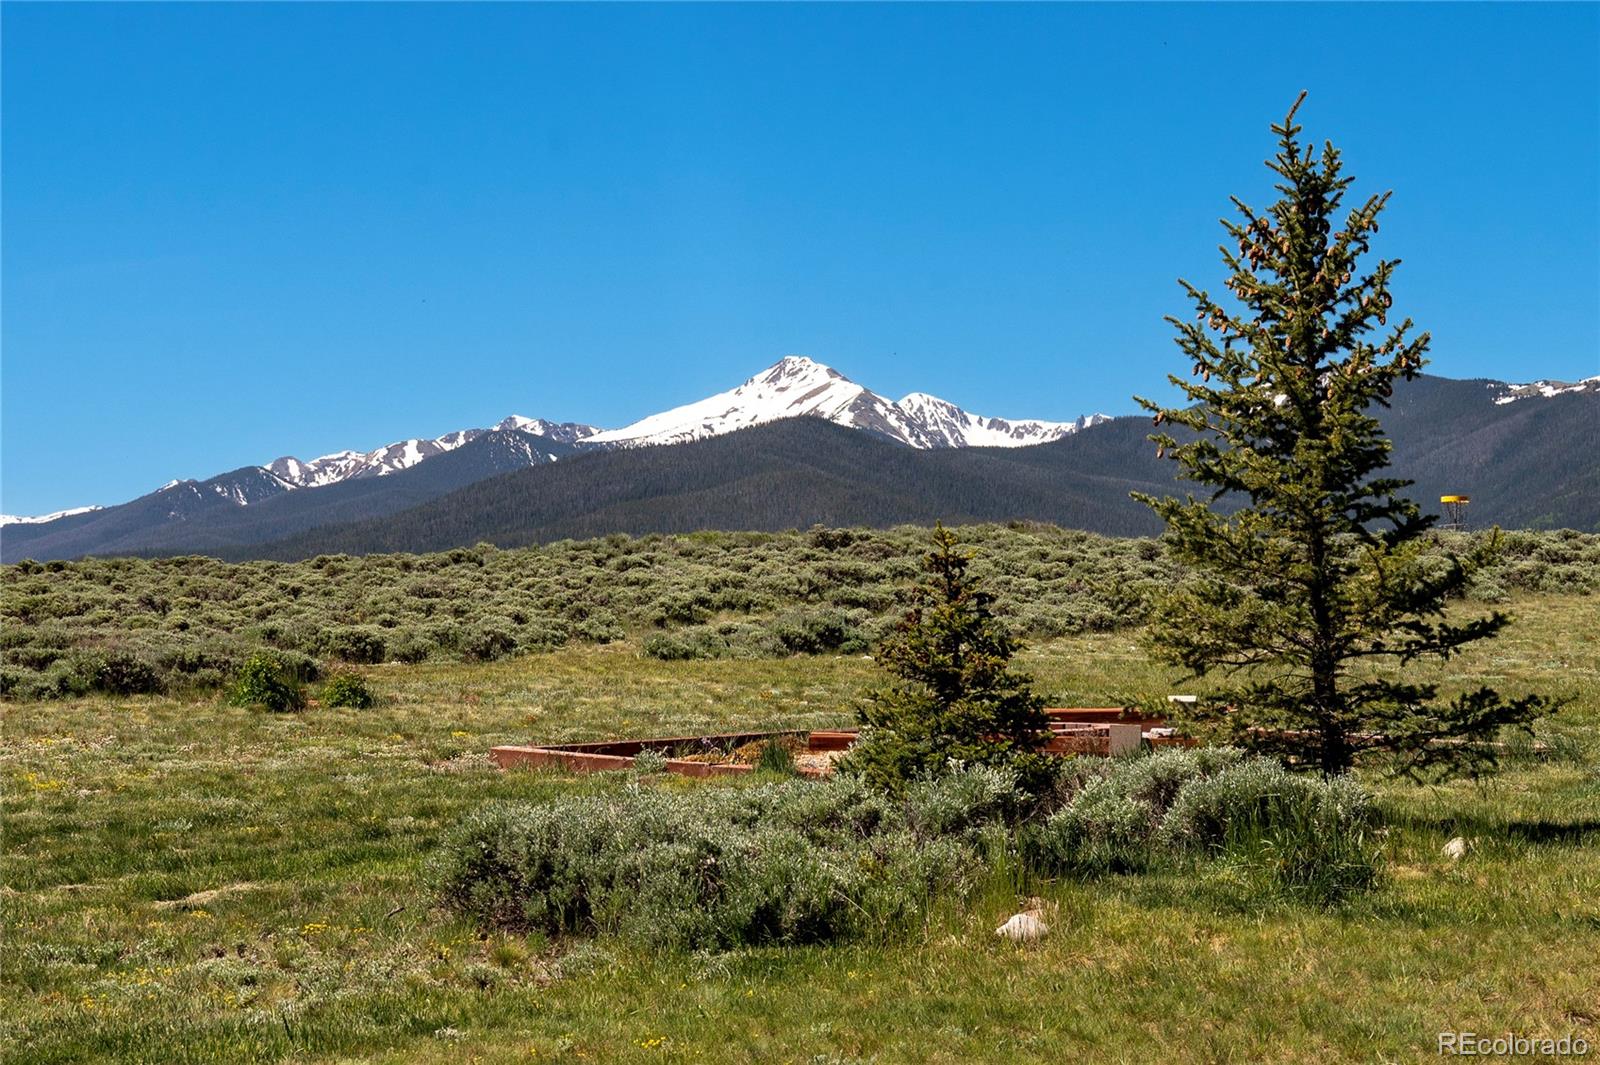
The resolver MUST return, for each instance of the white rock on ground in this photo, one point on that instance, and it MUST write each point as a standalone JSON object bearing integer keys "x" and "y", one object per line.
{"x": 1456, "y": 849}
{"x": 1023, "y": 928}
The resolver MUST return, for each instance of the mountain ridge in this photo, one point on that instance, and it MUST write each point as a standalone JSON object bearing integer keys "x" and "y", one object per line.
{"x": 927, "y": 422}
{"x": 1526, "y": 452}
{"x": 1448, "y": 437}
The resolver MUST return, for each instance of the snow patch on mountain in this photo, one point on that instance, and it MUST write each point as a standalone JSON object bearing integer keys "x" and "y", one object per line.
{"x": 1542, "y": 389}
{"x": 241, "y": 487}
{"x": 943, "y": 424}
{"x": 404, "y": 454}
{"x": 39, "y": 519}
{"x": 798, "y": 387}
{"x": 348, "y": 465}
{"x": 557, "y": 432}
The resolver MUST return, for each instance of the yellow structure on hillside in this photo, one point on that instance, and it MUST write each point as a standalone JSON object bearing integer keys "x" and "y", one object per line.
{"x": 1455, "y": 511}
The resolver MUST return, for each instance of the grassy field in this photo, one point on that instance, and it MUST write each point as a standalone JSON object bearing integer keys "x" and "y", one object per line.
{"x": 188, "y": 882}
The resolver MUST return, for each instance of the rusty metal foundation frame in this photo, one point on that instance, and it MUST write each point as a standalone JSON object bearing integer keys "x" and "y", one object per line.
{"x": 1102, "y": 731}
{"x": 604, "y": 755}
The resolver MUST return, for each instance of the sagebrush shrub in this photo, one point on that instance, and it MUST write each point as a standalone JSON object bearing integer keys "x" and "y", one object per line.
{"x": 61, "y": 679}
{"x": 488, "y": 640}
{"x": 121, "y": 673}
{"x": 799, "y": 861}
{"x": 676, "y": 647}
{"x": 1302, "y": 835}
{"x": 601, "y": 627}
{"x": 296, "y": 666}
{"x": 410, "y": 646}
{"x": 649, "y": 761}
{"x": 1103, "y": 830}
{"x": 347, "y": 690}
{"x": 209, "y": 656}
{"x": 1209, "y": 809}
{"x": 357, "y": 643}
{"x": 265, "y": 681}
{"x": 783, "y": 862}
{"x": 1310, "y": 836}
{"x": 971, "y": 797}
{"x": 541, "y": 633}
{"x": 820, "y": 632}
{"x": 1155, "y": 780}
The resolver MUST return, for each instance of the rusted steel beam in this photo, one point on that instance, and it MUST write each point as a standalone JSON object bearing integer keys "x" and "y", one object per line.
{"x": 831, "y": 739}
{"x": 724, "y": 740}
{"x": 1103, "y": 715}
{"x": 1067, "y": 737}
{"x": 585, "y": 762}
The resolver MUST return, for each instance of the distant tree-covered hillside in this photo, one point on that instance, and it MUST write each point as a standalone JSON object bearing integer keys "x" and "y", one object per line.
{"x": 1532, "y": 463}
{"x": 787, "y": 475}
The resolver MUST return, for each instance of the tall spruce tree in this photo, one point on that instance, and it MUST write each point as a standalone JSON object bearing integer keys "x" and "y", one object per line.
{"x": 956, "y": 697}
{"x": 1314, "y": 583}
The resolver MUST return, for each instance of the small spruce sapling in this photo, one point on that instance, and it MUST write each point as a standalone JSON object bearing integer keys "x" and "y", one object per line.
{"x": 956, "y": 699}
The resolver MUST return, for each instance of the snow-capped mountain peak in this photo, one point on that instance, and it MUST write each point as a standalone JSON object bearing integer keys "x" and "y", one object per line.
{"x": 241, "y": 487}
{"x": 559, "y": 432}
{"x": 797, "y": 386}
{"x": 793, "y": 387}
{"x": 923, "y": 401}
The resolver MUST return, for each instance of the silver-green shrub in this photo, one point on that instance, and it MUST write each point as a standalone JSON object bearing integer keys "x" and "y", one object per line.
{"x": 1298, "y": 834}
{"x": 715, "y": 867}
{"x": 1305, "y": 836}
{"x": 1103, "y": 829}
{"x": 649, "y": 761}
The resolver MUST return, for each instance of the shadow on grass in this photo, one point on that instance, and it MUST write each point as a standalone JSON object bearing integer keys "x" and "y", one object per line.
{"x": 1584, "y": 832}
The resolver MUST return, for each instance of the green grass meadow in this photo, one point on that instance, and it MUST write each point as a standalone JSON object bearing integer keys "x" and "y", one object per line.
{"x": 186, "y": 881}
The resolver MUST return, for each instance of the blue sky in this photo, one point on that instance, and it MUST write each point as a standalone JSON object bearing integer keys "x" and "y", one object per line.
{"x": 233, "y": 232}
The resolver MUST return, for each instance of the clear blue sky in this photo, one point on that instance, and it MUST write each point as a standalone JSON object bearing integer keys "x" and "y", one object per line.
{"x": 233, "y": 232}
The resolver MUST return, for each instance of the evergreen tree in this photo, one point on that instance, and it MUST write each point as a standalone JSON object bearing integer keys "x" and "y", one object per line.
{"x": 957, "y": 698}
{"x": 1316, "y": 591}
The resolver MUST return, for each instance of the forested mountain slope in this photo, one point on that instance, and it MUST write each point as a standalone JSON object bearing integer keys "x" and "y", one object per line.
{"x": 1527, "y": 463}
{"x": 1529, "y": 456}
